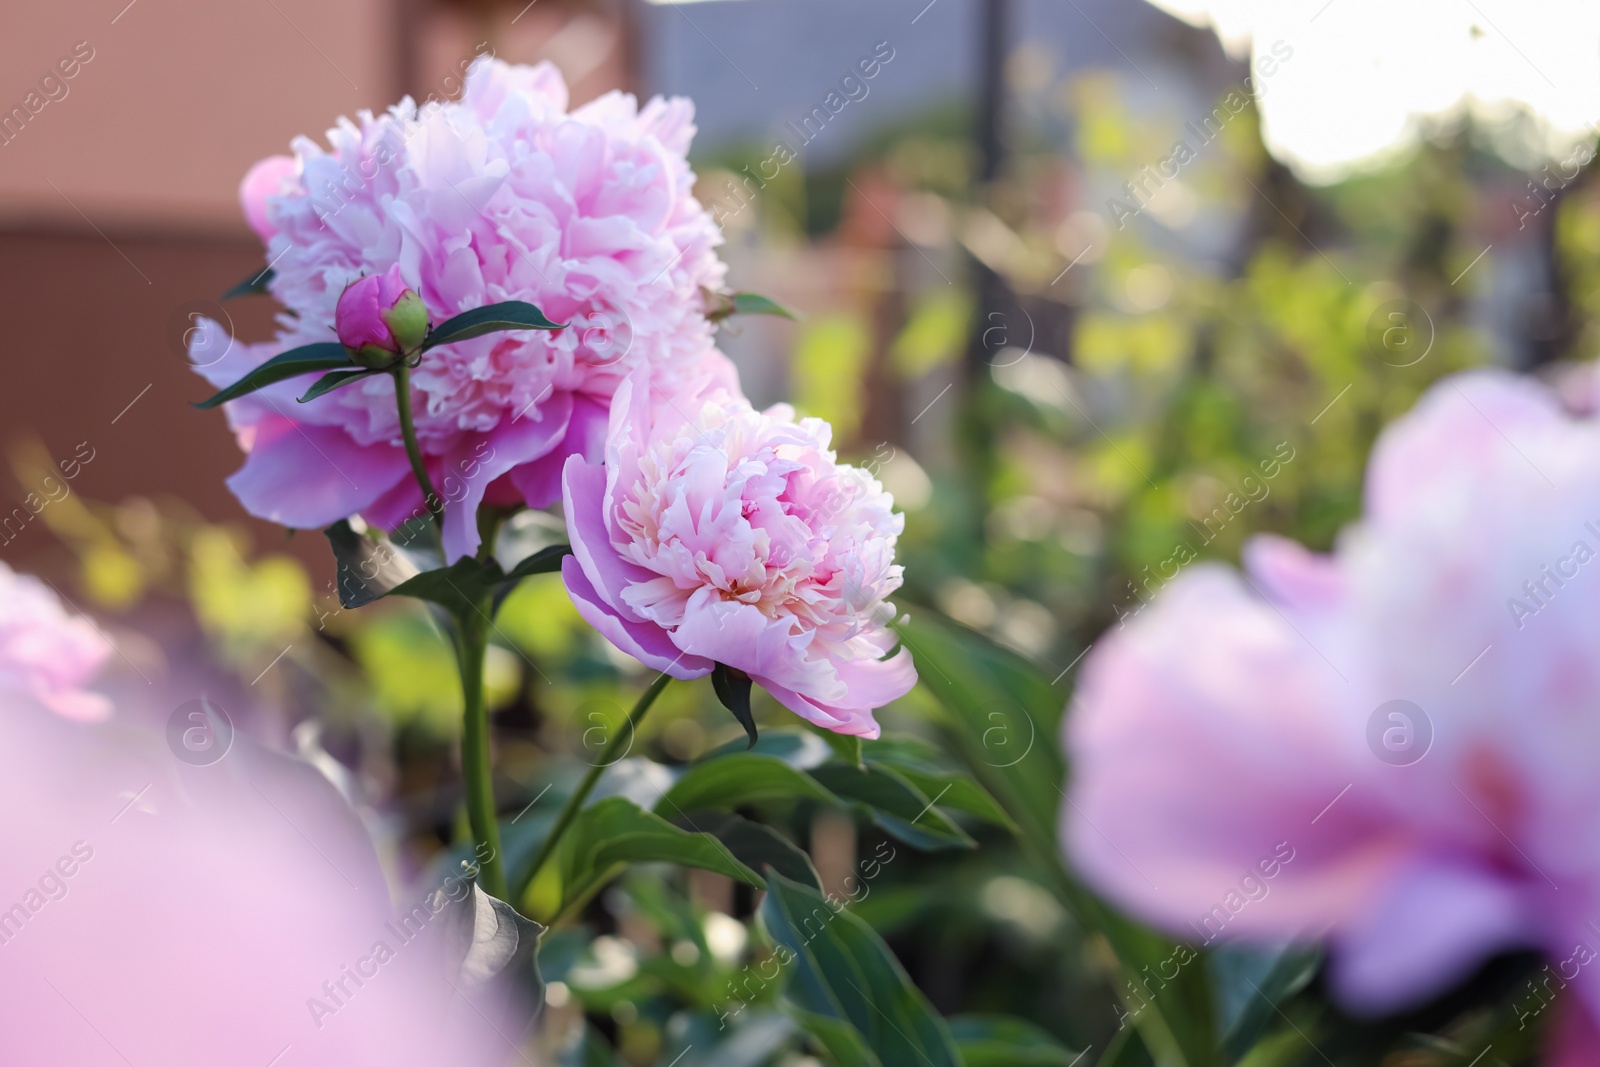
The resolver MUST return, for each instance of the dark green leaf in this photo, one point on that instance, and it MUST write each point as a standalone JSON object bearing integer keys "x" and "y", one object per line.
{"x": 733, "y": 689}
{"x": 836, "y": 1039}
{"x": 802, "y": 750}
{"x": 756, "y": 304}
{"x": 1004, "y": 715}
{"x": 307, "y": 359}
{"x": 720, "y": 306}
{"x": 614, "y": 832}
{"x": 953, "y": 790}
{"x": 731, "y": 781}
{"x": 329, "y": 382}
{"x": 544, "y": 561}
{"x": 461, "y": 588}
{"x": 588, "y": 1048}
{"x": 843, "y": 970}
{"x": 253, "y": 285}
{"x": 369, "y": 568}
{"x": 846, "y": 746}
{"x": 754, "y": 845}
{"x": 1258, "y": 997}
{"x": 509, "y": 315}
{"x": 1003, "y": 1041}
{"x": 895, "y": 805}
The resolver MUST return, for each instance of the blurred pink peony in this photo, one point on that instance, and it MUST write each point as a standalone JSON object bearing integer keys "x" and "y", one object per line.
{"x": 715, "y": 533}
{"x": 1393, "y": 746}
{"x": 160, "y": 913}
{"x": 45, "y": 653}
{"x": 504, "y": 195}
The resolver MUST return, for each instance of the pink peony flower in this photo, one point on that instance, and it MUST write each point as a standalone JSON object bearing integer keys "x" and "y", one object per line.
{"x": 1241, "y": 767}
{"x": 155, "y": 912}
{"x": 504, "y": 195}
{"x": 715, "y": 533}
{"x": 377, "y": 318}
{"x": 45, "y": 653}
{"x": 266, "y": 179}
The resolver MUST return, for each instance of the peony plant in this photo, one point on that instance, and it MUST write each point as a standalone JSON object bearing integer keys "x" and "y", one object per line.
{"x": 524, "y": 299}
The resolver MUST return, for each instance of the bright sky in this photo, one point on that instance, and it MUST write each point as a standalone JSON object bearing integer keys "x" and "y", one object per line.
{"x": 1366, "y": 73}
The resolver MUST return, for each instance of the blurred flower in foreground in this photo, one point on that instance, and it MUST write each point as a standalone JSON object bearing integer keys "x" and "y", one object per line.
{"x": 715, "y": 533}
{"x": 46, "y": 653}
{"x": 158, "y": 912}
{"x": 1392, "y": 746}
{"x": 504, "y": 195}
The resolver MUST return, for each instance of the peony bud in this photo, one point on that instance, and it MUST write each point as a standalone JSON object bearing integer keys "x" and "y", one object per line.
{"x": 379, "y": 319}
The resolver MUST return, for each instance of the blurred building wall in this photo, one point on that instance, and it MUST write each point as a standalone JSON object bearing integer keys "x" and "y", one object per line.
{"x": 126, "y": 128}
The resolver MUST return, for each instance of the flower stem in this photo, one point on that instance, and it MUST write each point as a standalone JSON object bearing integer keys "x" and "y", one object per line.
{"x": 608, "y": 756}
{"x": 472, "y": 644}
{"x": 408, "y": 431}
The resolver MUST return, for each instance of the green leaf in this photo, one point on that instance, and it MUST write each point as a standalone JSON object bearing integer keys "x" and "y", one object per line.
{"x": 329, "y": 382}
{"x": 726, "y": 305}
{"x": 801, "y": 749}
{"x": 737, "y": 779}
{"x": 953, "y": 790}
{"x": 588, "y": 1049}
{"x": 1004, "y": 715}
{"x": 733, "y": 689}
{"x": 1004, "y": 1041}
{"x": 754, "y": 845}
{"x": 895, "y": 805}
{"x": 369, "y": 569}
{"x": 307, "y": 359}
{"x": 509, "y": 315}
{"x": 544, "y": 561}
{"x": 251, "y": 286}
{"x": 846, "y": 746}
{"x": 836, "y": 1039}
{"x": 1261, "y": 996}
{"x": 614, "y": 832}
{"x": 844, "y": 971}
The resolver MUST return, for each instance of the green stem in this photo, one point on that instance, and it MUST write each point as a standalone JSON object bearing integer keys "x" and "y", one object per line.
{"x": 608, "y": 756}
{"x": 472, "y": 644}
{"x": 408, "y": 431}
